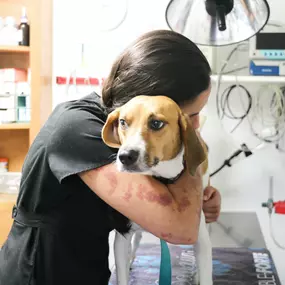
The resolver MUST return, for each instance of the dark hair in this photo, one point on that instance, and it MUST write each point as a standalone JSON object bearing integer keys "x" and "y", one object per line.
{"x": 160, "y": 62}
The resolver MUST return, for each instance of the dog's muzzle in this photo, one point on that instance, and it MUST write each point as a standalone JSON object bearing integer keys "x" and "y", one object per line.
{"x": 129, "y": 157}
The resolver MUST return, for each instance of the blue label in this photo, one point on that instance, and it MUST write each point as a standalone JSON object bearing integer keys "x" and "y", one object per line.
{"x": 263, "y": 69}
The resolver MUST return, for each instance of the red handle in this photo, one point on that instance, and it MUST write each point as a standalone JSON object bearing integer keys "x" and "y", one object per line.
{"x": 79, "y": 80}
{"x": 279, "y": 207}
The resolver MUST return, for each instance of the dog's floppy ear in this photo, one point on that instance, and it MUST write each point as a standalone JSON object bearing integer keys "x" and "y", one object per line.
{"x": 110, "y": 134}
{"x": 194, "y": 152}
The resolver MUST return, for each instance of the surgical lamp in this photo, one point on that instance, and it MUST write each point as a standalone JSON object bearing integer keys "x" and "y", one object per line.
{"x": 217, "y": 22}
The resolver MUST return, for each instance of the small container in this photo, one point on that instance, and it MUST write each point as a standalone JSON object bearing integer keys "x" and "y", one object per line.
{"x": 9, "y": 33}
{"x": 3, "y": 164}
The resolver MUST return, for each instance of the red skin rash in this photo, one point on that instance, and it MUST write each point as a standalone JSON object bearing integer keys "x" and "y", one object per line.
{"x": 113, "y": 181}
{"x": 189, "y": 240}
{"x": 128, "y": 194}
{"x": 183, "y": 204}
{"x": 144, "y": 194}
{"x": 141, "y": 192}
{"x": 198, "y": 212}
{"x": 166, "y": 236}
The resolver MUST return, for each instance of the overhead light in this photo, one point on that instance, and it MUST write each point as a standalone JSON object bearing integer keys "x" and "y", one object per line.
{"x": 217, "y": 22}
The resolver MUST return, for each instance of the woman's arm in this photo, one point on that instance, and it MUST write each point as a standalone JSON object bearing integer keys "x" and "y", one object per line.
{"x": 170, "y": 212}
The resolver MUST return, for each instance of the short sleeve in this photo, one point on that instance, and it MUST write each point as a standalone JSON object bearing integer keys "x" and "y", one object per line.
{"x": 76, "y": 144}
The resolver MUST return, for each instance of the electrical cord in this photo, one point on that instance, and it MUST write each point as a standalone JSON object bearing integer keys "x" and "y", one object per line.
{"x": 225, "y": 107}
{"x": 229, "y": 162}
{"x": 255, "y": 107}
{"x": 235, "y": 70}
{"x": 223, "y": 67}
{"x": 272, "y": 234}
{"x": 276, "y": 116}
{"x": 219, "y": 169}
{"x": 258, "y": 104}
{"x": 277, "y": 113}
{"x": 267, "y": 120}
{"x": 240, "y": 47}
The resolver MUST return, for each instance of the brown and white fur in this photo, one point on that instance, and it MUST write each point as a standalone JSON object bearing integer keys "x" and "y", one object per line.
{"x": 161, "y": 153}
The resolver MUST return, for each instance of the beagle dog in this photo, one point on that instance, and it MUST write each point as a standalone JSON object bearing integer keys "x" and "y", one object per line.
{"x": 155, "y": 138}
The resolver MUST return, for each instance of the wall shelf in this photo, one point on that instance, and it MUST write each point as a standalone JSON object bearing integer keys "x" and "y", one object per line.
{"x": 16, "y": 138}
{"x": 15, "y": 126}
{"x": 14, "y": 49}
{"x": 249, "y": 79}
{"x": 15, "y": 57}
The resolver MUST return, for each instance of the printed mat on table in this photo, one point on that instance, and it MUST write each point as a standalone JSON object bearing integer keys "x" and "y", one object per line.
{"x": 232, "y": 266}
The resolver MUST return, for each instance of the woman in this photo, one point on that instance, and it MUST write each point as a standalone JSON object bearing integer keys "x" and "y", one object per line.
{"x": 71, "y": 195}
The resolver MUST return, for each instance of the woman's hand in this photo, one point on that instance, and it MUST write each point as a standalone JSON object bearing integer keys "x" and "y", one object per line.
{"x": 211, "y": 204}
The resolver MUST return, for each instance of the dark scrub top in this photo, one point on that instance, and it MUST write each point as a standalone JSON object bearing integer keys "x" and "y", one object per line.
{"x": 60, "y": 230}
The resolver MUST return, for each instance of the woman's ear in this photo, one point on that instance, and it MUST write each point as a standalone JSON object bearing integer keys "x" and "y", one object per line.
{"x": 194, "y": 152}
{"x": 110, "y": 134}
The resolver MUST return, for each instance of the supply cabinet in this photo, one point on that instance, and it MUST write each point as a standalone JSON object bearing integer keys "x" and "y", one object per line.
{"x": 25, "y": 89}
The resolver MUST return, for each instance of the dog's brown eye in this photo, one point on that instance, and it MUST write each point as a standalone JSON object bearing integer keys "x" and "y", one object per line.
{"x": 123, "y": 124}
{"x": 156, "y": 125}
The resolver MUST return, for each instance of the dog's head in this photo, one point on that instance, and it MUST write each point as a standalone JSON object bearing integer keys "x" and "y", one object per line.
{"x": 149, "y": 130}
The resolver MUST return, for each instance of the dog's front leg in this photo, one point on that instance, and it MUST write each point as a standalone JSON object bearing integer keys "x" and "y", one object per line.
{"x": 135, "y": 244}
{"x": 203, "y": 253}
{"x": 122, "y": 247}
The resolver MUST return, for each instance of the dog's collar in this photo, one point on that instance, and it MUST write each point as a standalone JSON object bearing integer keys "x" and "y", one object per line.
{"x": 169, "y": 180}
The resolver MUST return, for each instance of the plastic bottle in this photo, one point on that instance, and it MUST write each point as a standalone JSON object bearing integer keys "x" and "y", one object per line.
{"x": 9, "y": 32}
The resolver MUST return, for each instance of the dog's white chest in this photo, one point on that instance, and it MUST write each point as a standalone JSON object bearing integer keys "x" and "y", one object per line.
{"x": 170, "y": 168}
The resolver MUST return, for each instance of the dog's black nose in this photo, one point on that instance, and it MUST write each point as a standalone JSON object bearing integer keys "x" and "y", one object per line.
{"x": 129, "y": 157}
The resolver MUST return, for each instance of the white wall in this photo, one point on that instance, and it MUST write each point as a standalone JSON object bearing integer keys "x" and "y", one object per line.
{"x": 75, "y": 27}
{"x": 244, "y": 186}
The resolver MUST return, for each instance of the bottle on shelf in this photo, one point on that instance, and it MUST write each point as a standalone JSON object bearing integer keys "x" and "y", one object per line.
{"x": 24, "y": 29}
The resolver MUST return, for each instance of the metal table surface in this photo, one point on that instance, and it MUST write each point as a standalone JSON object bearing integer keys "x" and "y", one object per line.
{"x": 237, "y": 229}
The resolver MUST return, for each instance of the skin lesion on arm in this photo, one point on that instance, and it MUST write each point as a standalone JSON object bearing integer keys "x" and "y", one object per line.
{"x": 113, "y": 184}
{"x": 143, "y": 193}
{"x": 147, "y": 202}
